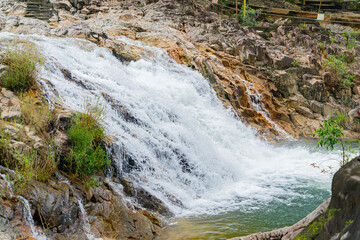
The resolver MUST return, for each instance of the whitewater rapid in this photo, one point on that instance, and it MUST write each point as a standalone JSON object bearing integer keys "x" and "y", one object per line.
{"x": 180, "y": 142}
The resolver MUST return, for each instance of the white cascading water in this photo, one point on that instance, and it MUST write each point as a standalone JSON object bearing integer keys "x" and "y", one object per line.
{"x": 177, "y": 140}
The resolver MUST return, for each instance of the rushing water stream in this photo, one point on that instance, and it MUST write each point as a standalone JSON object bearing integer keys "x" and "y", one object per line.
{"x": 177, "y": 140}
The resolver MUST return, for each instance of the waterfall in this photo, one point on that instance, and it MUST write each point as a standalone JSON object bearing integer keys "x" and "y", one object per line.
{"x": 172, "y": 135}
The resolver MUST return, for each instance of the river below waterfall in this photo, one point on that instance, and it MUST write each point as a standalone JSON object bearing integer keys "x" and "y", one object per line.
{"x": 181, "y": 144}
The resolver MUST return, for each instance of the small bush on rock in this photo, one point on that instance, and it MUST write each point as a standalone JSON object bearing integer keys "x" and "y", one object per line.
{"x": 87, "y": 153}
{"x": 339, "y": 70}
{"x": 22, "y": 58}
{"x": 249, "y": 17}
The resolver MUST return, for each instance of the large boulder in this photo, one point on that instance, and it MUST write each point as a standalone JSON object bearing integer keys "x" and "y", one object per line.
{"x": 110, "y": 216}
{"x": 54, "y": 205}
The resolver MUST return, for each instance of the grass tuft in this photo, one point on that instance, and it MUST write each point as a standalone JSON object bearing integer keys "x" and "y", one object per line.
{"x": 87, "y": 153}
{"x": 22, "y": 58}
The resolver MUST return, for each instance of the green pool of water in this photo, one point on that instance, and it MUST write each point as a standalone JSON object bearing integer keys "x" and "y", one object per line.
{"x": 244, "y": 221}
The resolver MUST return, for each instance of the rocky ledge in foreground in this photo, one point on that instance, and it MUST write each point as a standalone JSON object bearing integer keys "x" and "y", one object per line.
{"x": 340, "y": 220}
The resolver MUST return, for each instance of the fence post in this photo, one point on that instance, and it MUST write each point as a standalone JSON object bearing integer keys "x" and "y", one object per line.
{"x": 244, "y": 15}
{"x": 319, "y": 6}
{"x": 236, "y": 6}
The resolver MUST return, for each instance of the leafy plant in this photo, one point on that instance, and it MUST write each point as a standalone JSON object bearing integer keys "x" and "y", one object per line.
{"x": 295, "y": 63}
{"x": 249, "y": 16}
{"x": 339, "y": 70}
{"x": 22, "y": 58}
{"x": 347, "y": 223}
{"x": 348, "y": 59}
{"x": 303, "y": 26}
{"x": 330, "y": 134}
{"x": 87, "y": 153}
{"x": 27, "y": 162}
{"x": 351, "y": 38}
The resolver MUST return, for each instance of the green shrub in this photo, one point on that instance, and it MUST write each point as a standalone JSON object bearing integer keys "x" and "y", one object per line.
{"x": 351, "y": 38}
{"x": 339, "y": 70}
{"x": 22, "y": 58}
{"x": 28, "y": 164}
{"x": 295, "y": 63}
{"x": 317, "y": 226}
{"x": 87, "y": 153}
{"x": 249, "y": 18}
{"x": 303, "y": 26}
{"x": 330, "y": 134}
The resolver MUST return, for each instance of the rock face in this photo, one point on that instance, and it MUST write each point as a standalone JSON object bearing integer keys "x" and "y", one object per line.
{"x": 342, "y": 218}
{"x": 9, "y": 105}
{"x": 110, "y": 216}
{"x": 56, "y": 206}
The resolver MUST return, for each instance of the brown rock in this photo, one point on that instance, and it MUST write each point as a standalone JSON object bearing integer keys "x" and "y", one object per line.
{"x": 304, "y": 111}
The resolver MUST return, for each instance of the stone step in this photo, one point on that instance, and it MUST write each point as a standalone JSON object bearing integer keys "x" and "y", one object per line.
{"x": 40, "y": 9}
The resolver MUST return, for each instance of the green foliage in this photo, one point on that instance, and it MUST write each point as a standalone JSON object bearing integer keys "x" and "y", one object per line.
{"x": 330, "y": 134}
{"x": 347, "y": 223}
{"x": 321, "y": 45}
{"x": 339, "y": 70}
{"x": 249, "y": 18}
{"x": 87, "y": 153}
{"x": 303, "y": 26}
{"x": 316, "y": 227}
{"x": 93, "y": 182}
{"x": 28, "y": 164}
{"x": 22, "y": 58}
{"x": 348, "y": 59}
{"x": 295, "y": 63}
{"x": 351, "y": 38}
